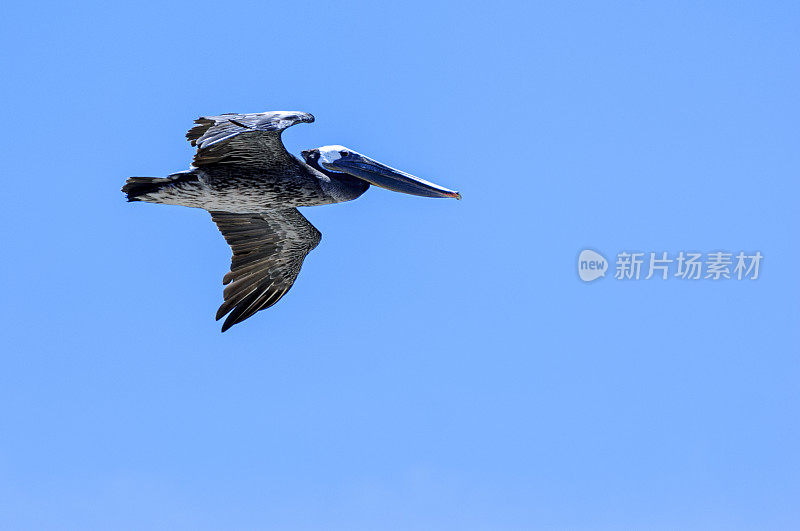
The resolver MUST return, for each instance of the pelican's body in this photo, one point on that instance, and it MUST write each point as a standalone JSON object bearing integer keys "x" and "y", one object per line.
{"x": 251, "y": 185}
{"x": 218, "y": 187}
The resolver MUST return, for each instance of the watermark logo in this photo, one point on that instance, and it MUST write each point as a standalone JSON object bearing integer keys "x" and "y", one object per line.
{"x": 591, "y": 265}
{"x": 686, "y": 265}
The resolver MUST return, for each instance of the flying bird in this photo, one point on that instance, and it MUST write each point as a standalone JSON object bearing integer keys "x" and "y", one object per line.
{"x": 244, "y": 177}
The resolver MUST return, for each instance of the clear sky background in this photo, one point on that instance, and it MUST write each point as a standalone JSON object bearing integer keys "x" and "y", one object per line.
{"x": 438, "y": 364}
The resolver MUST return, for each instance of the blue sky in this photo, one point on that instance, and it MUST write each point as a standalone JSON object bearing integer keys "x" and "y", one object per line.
{"x": 438, "y": 364}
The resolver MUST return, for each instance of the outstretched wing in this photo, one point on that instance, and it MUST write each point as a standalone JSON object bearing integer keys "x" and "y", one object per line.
{"x": 268, "y": 251}
{"x": 253, "y": 139}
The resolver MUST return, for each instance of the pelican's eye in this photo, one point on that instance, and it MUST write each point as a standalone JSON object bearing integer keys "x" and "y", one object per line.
{"x": 344, "y": 153}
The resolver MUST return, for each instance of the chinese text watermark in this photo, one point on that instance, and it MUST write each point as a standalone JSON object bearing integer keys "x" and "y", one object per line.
{"x": 685, "y": 265}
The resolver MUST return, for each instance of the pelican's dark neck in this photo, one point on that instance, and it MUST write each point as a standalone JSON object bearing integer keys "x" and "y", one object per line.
{"x": 343, "y": 186}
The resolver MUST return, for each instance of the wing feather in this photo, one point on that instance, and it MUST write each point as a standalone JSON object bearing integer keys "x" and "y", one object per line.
{"x": 253, "y": 139}
{"x": 268, "y": 252}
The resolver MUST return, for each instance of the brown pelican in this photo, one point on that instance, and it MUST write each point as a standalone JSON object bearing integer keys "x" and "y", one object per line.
{"x": 243, "y": 175}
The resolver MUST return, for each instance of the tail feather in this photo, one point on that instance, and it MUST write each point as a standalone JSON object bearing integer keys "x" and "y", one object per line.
{"x": 136, "y": 187}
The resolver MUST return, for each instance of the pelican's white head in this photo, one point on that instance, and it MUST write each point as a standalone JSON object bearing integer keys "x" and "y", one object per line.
{"x": 330, "y": 154}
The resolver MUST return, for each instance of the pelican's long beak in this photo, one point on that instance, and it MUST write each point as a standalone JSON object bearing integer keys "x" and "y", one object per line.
{"x": 382, "y": 175}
